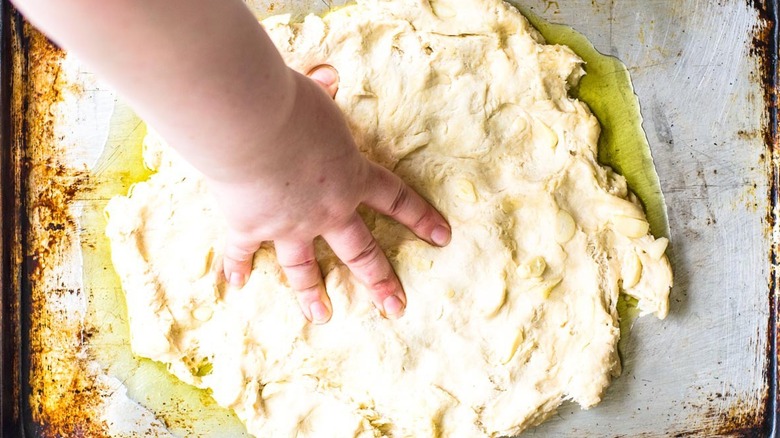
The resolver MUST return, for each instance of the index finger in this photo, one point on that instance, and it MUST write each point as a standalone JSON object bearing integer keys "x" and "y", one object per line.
{"x": 357, "y": 248}
{"x": 389, "y": 195}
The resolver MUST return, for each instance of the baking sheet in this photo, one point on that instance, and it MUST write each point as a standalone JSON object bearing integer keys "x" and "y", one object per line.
{"x": 700, "y": 70}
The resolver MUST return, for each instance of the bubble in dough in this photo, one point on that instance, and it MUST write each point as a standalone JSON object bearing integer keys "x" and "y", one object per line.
{"x": 466, "y": 103}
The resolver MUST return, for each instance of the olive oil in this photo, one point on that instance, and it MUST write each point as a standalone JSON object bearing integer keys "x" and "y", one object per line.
{"x": 607, "y": 89}
{"x": 184, "y": 410}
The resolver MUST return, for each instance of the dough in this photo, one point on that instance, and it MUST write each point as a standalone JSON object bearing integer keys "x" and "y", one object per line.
{"x": 467, "y": 104}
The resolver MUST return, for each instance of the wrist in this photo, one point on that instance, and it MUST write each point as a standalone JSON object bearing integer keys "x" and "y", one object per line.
{"x": 252, "y": 146}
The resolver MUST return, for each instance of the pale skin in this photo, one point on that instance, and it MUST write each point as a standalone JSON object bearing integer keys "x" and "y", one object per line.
{"x": 275, "y": 149}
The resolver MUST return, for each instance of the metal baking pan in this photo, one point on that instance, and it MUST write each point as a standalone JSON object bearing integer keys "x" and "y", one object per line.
{"x": 705, "y": 72}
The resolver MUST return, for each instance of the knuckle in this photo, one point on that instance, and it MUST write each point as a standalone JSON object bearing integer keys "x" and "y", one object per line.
{"x": 241, "y": 247}
{"x": 400, "y": 201}
{"x": 384, "y": 287}
{"x": 303, "y": 278}
{"x": 426, "y": 219}
{"x": 308, "y": 264}
{"x": 230, "y": 264}
{"x": 239, "y": 254}
{"x": 307, "y": 288}
{"x": 366, "y": 256}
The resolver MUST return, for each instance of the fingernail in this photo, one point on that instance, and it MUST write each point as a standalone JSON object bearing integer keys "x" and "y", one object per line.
{"x": 441, "y": 235}
{"x": 236, "y": 279}
{"x": 325, "y": 75}
{"x": 393, "y": 307}
{"x": 319, "y": 312}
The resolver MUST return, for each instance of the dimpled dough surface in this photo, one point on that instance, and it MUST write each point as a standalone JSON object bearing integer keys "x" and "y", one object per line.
{"x": 467, "y": 104}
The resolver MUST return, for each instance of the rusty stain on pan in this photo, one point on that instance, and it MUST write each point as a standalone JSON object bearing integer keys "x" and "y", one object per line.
{"x": 767, "y": 47}
{"x": 62, "y": 399}
{"x": 756, "y": 418}
{"x": 60, "y": 393}
{"x": 765, "y": 50}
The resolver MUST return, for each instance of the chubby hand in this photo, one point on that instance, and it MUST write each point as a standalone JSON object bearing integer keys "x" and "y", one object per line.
{"x": 314, "y": 183}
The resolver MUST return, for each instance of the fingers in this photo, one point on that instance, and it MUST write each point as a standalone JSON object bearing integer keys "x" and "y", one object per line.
{"x": 391, "y": 196}
{"x": 299, "y": 264}
{"x": 237, "y": 260}
{"x": 356, "y": 247}
{"x": 326, "y": 77}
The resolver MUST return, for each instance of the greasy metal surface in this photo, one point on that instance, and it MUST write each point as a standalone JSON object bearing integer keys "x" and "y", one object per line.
{"x": 701, "y": 82}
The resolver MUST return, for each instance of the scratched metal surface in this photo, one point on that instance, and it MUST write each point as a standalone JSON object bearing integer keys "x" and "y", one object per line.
{"x": 702, "y": 370}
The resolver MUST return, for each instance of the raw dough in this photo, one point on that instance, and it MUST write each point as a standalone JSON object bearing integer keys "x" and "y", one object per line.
{"x": 466, "y": 103}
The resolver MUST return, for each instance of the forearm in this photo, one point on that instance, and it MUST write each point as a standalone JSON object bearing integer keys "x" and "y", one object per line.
{"x": 203, "y": 72}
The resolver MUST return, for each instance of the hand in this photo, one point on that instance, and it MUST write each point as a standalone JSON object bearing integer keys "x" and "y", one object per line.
{"x": 287, "y": 175}
{"x": 313, "y": 180}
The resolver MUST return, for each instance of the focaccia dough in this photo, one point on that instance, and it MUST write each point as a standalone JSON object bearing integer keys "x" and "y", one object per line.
{"x": 467, "y": 104}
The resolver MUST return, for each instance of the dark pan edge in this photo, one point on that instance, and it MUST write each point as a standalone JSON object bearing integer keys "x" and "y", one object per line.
{"x": 15, "y": 53}
{"x": 10, "y": 327}
{"x": 772, "y": 426}
{"x": 14, "y": 300}
{"x": 13, "y": 79}
{"x": 770, "y": 13}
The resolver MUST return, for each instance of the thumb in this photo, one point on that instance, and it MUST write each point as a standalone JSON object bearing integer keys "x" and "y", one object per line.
{"x": 326, "y": 77}
{"x": 238, "y": 256}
